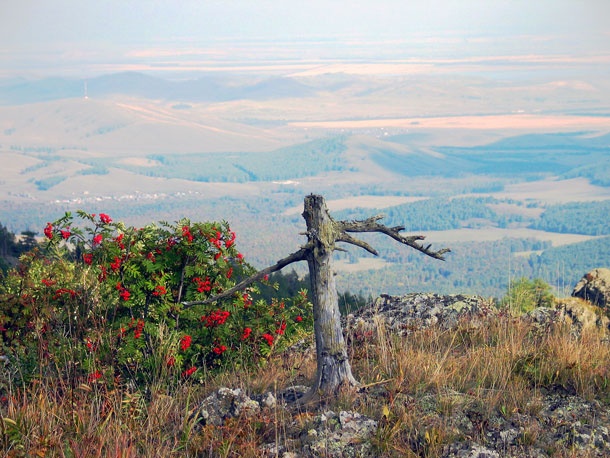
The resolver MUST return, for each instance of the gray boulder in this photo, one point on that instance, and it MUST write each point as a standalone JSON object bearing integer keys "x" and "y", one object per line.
{"x": 226, "y": 403}
{"x": 582, "y": 314}
{"x": 578, "y": 314}
{"x": 404, "y": 314}
{"x": 463, "y": 450}
{"x": 332, "y": 435}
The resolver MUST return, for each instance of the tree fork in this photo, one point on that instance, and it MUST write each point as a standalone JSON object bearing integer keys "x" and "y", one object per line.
{"x": 333, "y": 367}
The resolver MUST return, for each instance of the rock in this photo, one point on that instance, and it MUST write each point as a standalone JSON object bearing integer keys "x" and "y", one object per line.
{"x": 328, "y": 434}
{"x": 555, "y": 422}
{"x": 576, "y": 423}
{"x": 544, "y": 317}
{"x": 226, "y": 403}
{"x": 293, "y": 393}
{"x": 403, "y": 314}
{"x": 268, "y": 400}
{"x": 469, "y": 451}
{"x": 574, "y": 312}
{"x": 582, "y": 314}
{"x": 340, "y": 435}
{"x": 594, "y": 287}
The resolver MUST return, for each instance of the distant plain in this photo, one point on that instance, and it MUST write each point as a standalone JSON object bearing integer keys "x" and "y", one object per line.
{"x": 247, "y": 144}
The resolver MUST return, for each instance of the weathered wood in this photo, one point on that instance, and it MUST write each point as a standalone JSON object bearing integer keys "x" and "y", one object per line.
{"x": 371, "y": 225}
{"x": 323, "y": 232}
{"x": 333, "y": 370}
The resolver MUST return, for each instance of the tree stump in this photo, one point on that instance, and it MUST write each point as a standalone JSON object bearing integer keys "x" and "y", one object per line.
{"x": 334, "y": 369}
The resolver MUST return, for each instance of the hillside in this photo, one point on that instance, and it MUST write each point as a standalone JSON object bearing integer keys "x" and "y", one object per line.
{"x": 133, "y": 84}
{"x": 445, "y": 199}
{"x": 435, "y": 154}
{"x": 124, "y": 126}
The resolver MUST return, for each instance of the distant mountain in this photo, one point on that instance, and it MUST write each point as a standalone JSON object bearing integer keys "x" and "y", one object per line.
{"x": 276, "y": 88}
{"x": 129, "y": 83}
{"x": 23, "y": 91}
{"x": 549, "y": 141}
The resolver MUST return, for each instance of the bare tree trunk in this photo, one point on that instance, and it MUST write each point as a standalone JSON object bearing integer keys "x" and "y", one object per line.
{"x": 334, "y": 369}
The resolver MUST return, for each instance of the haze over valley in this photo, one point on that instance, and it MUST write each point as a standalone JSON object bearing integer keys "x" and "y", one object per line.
{"x": 494, "y": 144}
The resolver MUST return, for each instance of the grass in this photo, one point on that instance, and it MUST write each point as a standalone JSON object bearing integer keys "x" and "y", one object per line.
{"x": 422, "y": 389}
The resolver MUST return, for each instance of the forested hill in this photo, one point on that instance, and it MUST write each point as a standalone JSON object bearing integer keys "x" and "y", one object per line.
{"x": 484, "y": 268}
{"x": 567, "y": 155}
{"x": 589, "y": 218}
{"x": 506, "y": 208}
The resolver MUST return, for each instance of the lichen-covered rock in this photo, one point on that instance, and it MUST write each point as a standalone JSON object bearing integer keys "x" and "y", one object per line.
{"x": 463, "y": 450}
{"x": 577, "y": 424}
{"x": 544, "y": 317}
{"x": 403, "y": 314}
{"x": 583, "y": 314}
{"x": 342, "y": 435}
{"x": 293, "y": 393}
{"x": 226, "y": 403}
{"x": 594, "y": 287}
{"x": 574, "y": 312}
{"x": 549, "y": 425}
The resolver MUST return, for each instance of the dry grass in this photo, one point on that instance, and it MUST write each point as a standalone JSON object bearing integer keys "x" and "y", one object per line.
{"x": 416, "y": 387}
{"x": 53, "y": 419}
{"x": 499, "y": 369}
{"x": 47, "y": 420}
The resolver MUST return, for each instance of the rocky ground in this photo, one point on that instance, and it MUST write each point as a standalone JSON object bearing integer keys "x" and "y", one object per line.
{"x": 557, "y": 422}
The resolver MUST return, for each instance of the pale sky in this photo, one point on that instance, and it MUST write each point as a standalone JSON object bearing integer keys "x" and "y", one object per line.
{"x": 90, "y": 28}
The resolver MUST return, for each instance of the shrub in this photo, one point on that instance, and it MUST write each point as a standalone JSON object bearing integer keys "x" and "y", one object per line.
{"x": 104, "y": 303}
{"x": 524, "y": 295}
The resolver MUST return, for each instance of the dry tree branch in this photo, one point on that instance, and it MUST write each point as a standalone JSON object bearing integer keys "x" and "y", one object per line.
{"x": 294, "y": 257}
{"x": 371, "y": 225}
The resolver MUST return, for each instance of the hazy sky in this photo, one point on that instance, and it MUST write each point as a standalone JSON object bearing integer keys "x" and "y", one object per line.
{"x": 86, "y": 27}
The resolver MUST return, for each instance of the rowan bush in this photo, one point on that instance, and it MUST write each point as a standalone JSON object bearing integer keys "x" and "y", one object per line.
{"x": 102, "y": 302}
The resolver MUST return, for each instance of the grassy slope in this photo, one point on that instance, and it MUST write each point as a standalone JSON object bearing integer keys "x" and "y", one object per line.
{"x": 420, "y": 387}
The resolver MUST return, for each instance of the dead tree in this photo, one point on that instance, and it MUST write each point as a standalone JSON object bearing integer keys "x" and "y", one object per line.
{"x": 323, "y": 232}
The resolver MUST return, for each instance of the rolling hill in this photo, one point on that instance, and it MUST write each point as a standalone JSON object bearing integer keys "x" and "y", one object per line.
{"x": 248, "y": 148}
{"x": 133, "y": 84}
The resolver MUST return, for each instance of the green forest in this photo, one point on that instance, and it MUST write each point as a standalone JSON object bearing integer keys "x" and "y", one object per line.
{"x": 296, "y": 161}
{"x": 588, "y": 218}
{"x": 481, "y": 267}
{"x": 439, "y": 214}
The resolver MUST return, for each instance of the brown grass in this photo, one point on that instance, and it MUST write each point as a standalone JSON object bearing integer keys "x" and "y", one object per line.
{"x": 416, "y": 387}
{"x": 499, "y": 369}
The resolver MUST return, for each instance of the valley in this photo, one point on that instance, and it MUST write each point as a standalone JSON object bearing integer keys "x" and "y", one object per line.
{"x": 409, "y": 142}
